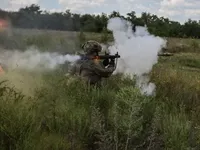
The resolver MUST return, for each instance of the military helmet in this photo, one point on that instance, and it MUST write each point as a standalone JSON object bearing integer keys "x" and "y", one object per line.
{"x": 91, "y": 47}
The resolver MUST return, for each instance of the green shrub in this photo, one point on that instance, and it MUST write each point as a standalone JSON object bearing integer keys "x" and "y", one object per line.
{"x": 73, "y": 117}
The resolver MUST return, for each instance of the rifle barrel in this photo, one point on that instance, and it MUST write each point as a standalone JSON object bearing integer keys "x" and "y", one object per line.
{"x": 102, "y": 56}
{"x": 108, "y": 56}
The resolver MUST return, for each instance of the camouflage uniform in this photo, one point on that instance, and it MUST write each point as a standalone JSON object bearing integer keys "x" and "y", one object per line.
{"x": 91, "y": 71}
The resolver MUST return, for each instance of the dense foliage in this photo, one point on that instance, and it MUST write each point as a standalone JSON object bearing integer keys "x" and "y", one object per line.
{"x": 32, "y": 17}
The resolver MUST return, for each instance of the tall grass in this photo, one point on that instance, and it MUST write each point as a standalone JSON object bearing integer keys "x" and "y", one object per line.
{"x": 66, "y": 114}
{"x": 71, "y": 117}
{"x": 62, "y": 113}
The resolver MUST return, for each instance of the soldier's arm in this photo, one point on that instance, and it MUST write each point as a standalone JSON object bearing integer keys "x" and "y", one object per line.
{"x": 104, "y": 72}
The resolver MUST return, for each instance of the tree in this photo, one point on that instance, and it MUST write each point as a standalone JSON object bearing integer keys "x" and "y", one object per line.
{"x": 32, "y": 17}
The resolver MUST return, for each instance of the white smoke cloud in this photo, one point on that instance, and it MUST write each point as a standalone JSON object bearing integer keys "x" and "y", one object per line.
{"x": 33, "y": 59}
{"x": 138, "y": 51}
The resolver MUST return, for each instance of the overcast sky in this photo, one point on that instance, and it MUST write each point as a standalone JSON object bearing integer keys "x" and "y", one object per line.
{"x": 178, "y": 10}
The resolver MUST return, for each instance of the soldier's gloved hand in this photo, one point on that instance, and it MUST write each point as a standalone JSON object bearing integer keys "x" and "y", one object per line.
{"x": 112, "y": 63}
{"x": 106, "y": 62}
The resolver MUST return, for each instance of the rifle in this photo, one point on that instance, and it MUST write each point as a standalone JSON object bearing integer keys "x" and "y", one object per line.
{"x": 107, "y": 58}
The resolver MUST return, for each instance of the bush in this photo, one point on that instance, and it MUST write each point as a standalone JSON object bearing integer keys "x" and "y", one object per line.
{"x": 71, "y": 117}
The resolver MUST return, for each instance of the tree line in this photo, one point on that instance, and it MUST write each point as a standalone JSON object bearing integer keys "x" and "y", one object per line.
{"x": 32, "y": 16}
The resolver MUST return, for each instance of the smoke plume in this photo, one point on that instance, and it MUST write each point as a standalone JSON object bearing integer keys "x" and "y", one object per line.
{"x": 33, "y": 59}
{"x": 138, "y": 51}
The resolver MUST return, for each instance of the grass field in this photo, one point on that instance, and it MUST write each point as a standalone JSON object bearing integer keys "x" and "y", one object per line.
{"x": 43, "y": 111}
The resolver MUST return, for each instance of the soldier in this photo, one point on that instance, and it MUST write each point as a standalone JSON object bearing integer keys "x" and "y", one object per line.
{"x": 90, "y": 70}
